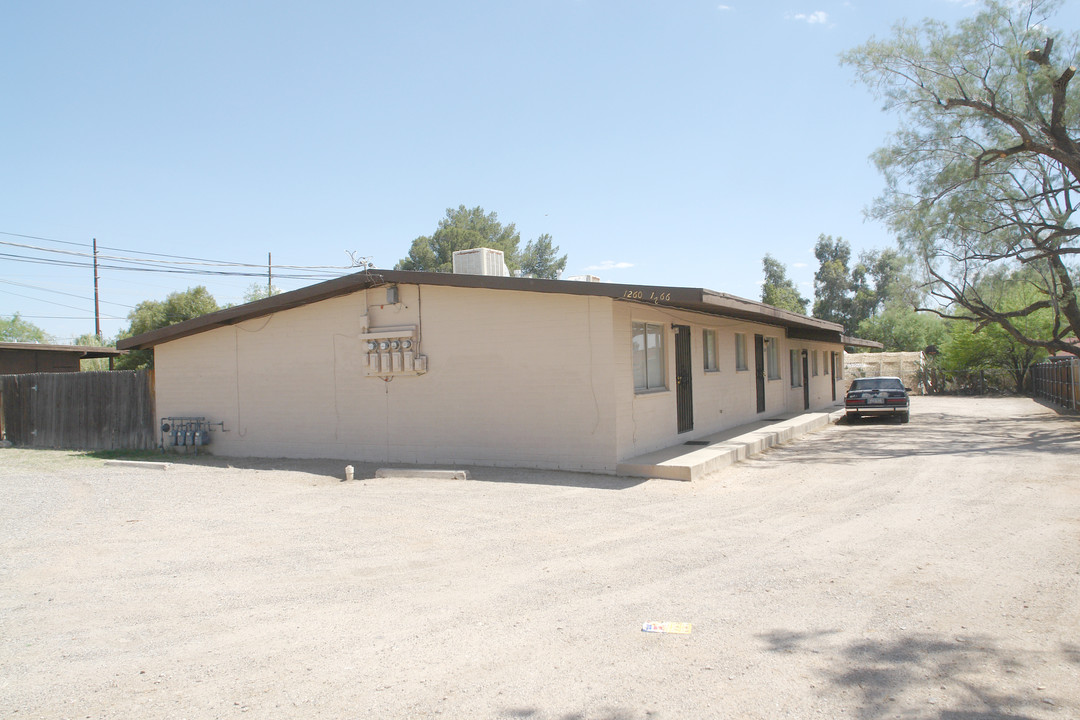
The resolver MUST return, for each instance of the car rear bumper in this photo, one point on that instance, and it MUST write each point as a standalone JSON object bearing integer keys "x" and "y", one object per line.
{"x": 877, "y": 409}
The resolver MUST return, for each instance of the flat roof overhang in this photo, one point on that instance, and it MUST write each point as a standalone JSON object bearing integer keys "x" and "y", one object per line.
{"x": 698, "y": 300}
{"x": 87, "y": 352}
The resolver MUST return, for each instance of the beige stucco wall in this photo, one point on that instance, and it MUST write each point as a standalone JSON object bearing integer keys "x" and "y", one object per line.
{"x": 513, "y": 379}
{"x": 820, "y": 384}
{"x": 724, "y": 398}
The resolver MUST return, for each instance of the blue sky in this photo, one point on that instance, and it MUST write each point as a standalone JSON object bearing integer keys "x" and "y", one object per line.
{"x": 659, "y": 143}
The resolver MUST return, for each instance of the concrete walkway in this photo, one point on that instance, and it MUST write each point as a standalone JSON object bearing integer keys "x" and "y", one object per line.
{"x": 690, "y": 462}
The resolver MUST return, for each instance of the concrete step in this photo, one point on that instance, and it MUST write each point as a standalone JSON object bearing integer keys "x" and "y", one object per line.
{"x": 690, "y": 462}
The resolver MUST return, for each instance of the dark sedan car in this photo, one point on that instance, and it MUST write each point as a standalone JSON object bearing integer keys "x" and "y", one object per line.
{"x": 878, "y": 396}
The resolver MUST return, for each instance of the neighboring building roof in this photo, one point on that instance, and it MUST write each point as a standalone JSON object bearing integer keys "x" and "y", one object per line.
{"x": 83, "y": 351}
{"x": 21, "y": 358}
{"x": 860, "y": 342}
{"x": 682, "y": 298}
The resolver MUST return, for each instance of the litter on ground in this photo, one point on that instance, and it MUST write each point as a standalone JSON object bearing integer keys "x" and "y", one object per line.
{"x": 677, "y": 628}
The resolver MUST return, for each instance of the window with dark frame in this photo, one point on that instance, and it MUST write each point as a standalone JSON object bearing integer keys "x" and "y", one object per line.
{"x": 772, "y": 355}
{"x": 708, "y": 350}
{"x": 740, "y": 351}
{"x": 647, "y": 341}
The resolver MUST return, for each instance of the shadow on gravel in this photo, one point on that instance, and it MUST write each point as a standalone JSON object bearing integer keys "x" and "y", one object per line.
{"x": 334, "y": 470}
{"x": 329, "y": 468}
{"x": 785, "y": 641}
{"x": 555, "y": 478}
{"x": 1071, "y": 651}
{"x": 533, "y": 714}
{"x": 1059, "y": 409}
{"x": 943, "y": 434}
{"x": 889, "y": 676}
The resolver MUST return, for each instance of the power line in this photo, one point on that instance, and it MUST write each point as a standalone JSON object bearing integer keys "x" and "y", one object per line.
{"x": 45, "y": 239}
{"x": 60, "y": 317}
{"x": 174, "y": 270}
{"x": 139, "y": 261}
{"x": 61, "y": 292}
{"x": 50, "y": 302}
{"x": 188, "y": 260}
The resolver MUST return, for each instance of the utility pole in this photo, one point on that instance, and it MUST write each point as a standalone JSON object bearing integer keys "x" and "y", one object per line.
{"x": 269, "y": 277}
{"x": 97, "y": 307}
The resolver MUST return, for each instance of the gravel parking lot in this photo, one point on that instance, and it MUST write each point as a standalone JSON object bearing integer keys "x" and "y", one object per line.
{"x": 928, "y": 570}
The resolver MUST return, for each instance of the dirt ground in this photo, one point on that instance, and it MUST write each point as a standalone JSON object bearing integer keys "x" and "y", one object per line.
{"x": 928, "y": 570}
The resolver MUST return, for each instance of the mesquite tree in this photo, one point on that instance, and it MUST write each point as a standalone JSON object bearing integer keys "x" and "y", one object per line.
{"x": 983, "y": 175}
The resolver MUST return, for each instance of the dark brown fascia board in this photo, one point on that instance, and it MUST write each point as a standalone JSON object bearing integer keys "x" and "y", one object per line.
{"x": 735, "y": 305}
{"x": 86, "y": 351}
{"x": 267, "y": 306}
{"x": 828, "y": 336}
{"x": 695, "y": 299}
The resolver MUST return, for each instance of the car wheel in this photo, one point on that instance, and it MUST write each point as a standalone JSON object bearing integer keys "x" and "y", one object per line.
{"x": 904, "y": 417}
{"x": 852, "y": 417}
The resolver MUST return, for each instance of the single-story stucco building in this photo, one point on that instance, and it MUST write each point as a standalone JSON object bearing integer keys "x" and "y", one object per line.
{"x": 438, "y": 368}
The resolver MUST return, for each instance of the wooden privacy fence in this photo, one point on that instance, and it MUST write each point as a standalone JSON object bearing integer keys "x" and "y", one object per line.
{"x": 1058, "y": 380}
{"x": 79, "y": 410}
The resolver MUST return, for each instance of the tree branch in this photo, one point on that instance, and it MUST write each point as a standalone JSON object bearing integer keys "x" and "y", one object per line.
{"x": 1041, "y": 57}
{"x": 1058, "y": 131}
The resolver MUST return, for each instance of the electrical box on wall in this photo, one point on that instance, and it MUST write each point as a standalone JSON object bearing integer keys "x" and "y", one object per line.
{"x": 392, "y": 351}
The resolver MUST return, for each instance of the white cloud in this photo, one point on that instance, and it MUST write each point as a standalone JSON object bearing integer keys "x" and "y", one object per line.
{"x": 819, "y": 17}
{"x": 798, "y": 265}
{"x": 611, "y": 265}
{"x": 724, "y": 7}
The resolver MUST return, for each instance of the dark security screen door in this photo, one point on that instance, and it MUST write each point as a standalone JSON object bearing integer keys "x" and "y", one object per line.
{"x": 759, "y": 370}
{"x": 832, "y": 375}
{"x": 684, "y": 395}
{"x": 805, "y": 380}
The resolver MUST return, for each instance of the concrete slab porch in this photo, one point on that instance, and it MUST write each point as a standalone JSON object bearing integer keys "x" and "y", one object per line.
{"x": 690, "y": 462}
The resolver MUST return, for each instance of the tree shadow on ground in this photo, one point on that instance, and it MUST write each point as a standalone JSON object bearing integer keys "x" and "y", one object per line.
{"x": 787, "y": 641}
{"x": 909, "y": 675}
{"x": 1071, "y": 651}
{"x": 931, "y": 434}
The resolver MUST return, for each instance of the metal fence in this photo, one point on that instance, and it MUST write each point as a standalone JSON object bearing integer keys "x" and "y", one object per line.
{"x": 79, "y": 410}
{"x": 1058, "y": 380}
